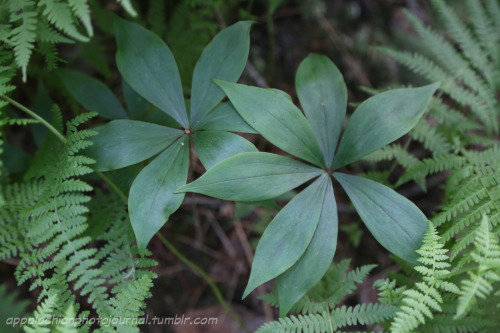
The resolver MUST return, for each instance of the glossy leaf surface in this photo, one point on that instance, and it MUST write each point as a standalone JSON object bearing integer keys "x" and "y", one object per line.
{"x": 392, "y": 219}
{"x": 252, "y": 177}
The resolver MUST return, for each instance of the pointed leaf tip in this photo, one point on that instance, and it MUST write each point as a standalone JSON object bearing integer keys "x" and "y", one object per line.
{"x": 225, "y": 58}
{"x": 380, "y": 120}
{"x": 149, "y": 67}
{"x": 288, "y": 235}
{"x": 395, "y": 222}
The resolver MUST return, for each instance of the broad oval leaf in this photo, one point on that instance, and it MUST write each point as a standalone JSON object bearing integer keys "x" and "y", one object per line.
{"x": 213, "y": 147}
{"x": 288, "y": 235}
{"x": 380, "y": 120}
{"x": 148, "y": 66}
{"x": 392, "y": 219}
{"x": 92, "y": 94}
{"x": 276, "y": 118}
{"x": 223, "y": 117}
{"x": 310, "y": 268}
{"x": 252, "y": 177}
{"x": 121, "y": 143}
{"x": 223, "y": 58}
{"x": 152, "y": 199}
{"x": 323, "y": 96}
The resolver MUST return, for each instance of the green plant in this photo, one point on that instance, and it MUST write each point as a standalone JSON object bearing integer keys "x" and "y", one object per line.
{"x": 44, "y": 23}
{"x": 302, "y": 237}
{"x": 319, "y": 307}
{"x": 465, "y": 59}
{"x": 145, "y": 63}
{"x": 45, "y": 222}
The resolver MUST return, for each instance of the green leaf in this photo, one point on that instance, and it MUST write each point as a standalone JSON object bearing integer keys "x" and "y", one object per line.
{"x": 310, "y": 268}
{"x": 252, "y": 177}
{"x": 392, "y": 219}
{"x": 380, "y": 120}
{"x": 152, "y": 199}
{"x": 92, "y": 94}
{"x": 120, "y": 143}
{"x": 149, "y": 67}
{"x": 276, "y": 118}
{"x": 323, "y": 96}
{"x": 136, "y": 105}
{"x": 223, "y": 58}
{"x": 224, "y": 118}
{"x": 214, "y": 146}
{"x": 288, "y": 235}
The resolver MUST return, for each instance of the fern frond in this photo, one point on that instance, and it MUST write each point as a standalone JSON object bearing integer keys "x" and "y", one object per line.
{"x": 81, "y": 10}
{"x": 431, "y": 166}
{"x": 127, "y": 5}
{"x": 425, "y": 298}
{"x": 484, "y": 28}
{"x": 129, "y": 303}
{"x": 22, "y": 38}
{"x": 59, "y": 14}
{"x": 433, "y": 140}
{"x": 338, "y": 318}
{"x": 486, "y": 255}
{"x": 335, "y": 285}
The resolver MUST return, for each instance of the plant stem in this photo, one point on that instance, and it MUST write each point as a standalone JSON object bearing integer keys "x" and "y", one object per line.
{"x": 210, "y": 282}
{"x": 37, "y": 117}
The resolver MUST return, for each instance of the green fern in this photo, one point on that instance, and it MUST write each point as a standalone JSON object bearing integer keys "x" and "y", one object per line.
{"x": 465, "y": 59}
{"x": 425, "y": 298}
{"x": 319, "y": 306}
{"x": 486, "y": 259}
{"x": 472, "y": 191}
{"x": 44, "y": 23}
{"x": 329, "y": 322}
{"x": 45, "y": 223}
{"x": 328, "y": 292}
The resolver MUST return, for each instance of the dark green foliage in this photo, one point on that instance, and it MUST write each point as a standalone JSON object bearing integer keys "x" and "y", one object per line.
{"x": 302, "y": 237}
{"x": 320, "y": 310}
{"x": 25, "y": 24}
{"x": 45, "y": 223}
{"x": 466, "y": 63}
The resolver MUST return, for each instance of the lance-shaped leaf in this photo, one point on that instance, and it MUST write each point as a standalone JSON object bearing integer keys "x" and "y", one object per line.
{"x": 92, "y": 94}
{"x": 275, "y": 117}
{"x": 252, "y": 177}
{"x": 223, "y": 117}
{"x": 213, "y": 147}
{"x": 148, "y": 66}
{"x": 380, "y": 120}
{"x": 152, "y": 198}
{"x": 323, "y": 96}
{"x": 310, "y": 268}
{"x": 392, "y": 219}
{"x": 223, "y": 58}
{"x": 121, "y": 143}
{"x": 288, "y": 235}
